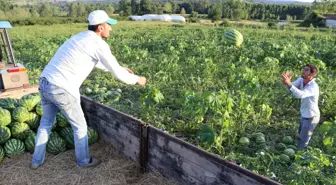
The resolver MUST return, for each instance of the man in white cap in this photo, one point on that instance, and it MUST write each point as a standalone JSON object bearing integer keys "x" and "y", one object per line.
{"x": 62, "y": 77}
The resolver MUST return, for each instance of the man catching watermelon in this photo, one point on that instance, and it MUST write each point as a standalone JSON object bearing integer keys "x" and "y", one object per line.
{"x": 306, "y": 89}
{"x": 62, "y": 77}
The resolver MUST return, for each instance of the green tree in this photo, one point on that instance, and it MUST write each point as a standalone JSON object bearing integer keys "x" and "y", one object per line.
{"x": 45, "y": 10}
{"x": 145, "y": 6}
{"x": 168, "y": 7}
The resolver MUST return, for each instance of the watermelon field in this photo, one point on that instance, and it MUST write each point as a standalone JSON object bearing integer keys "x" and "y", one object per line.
{"x": 227, "y": 100}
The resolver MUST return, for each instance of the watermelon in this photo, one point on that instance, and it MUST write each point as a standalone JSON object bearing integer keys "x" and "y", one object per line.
{"x": 289, "y": 152}
{"x": 61, "y": 120}
{"x": 257, "y": 134}
{"x": 280, "y": 146}
{"x": 244, "y": 141}
{"x": 14, "y": 147}
{"x": 292, "y": 147}
{"x": 30, "y": 101}
{"x": 260, "y": 140}
{"x": 38, "y": 109}
{"x": 284, "y": 158}
{"x": 261, "y": 146}
{"x": 233, "y": 37}
{"x": 9, "y": 103}
{"x": 288, "y": 140}
{"x": 30, "y": 142}
{"x": 20, "y": 130}
{"x": 67, "y": 135}
{"x": 93, "y": 135}
{"x": 56, "y": 144}
{"x": 2, "y": 153}
{"x": 20, "y": 114}
{"x": 5, "y": 117}
{"x": 5, "y": 134}
{"x": 34, "y": 120}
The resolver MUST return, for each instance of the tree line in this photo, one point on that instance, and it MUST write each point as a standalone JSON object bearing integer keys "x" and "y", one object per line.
{"x": 213, "y": 9}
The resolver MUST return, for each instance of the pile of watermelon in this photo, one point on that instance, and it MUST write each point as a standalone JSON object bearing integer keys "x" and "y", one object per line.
{"x": 19, "y": 121}
{"x": 256, "y": 142}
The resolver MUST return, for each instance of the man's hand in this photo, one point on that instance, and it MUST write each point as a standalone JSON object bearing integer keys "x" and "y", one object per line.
{"x": 142, "y": 81}
{"x": 286, "y": 79}
{"x": 129, "y": 70}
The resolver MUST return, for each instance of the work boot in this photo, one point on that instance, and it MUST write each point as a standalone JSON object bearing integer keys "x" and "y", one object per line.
{"x": 92, "y": 163}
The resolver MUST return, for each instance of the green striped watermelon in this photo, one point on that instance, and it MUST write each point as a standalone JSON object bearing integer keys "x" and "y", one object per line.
{"x": 38, "y": 109}
{"x": 5, "y": 117}
{"x": 5, "y": 134}
{"x": 33, "y": 121}
{"x": 30, "y": 101}
{"x": 93, "y": 135}
{"x": 61, "y": 120}
{"x": 9, "y": 103}
{"x": 20, "y": 114}
{"x": 233, "y": 37}
{"x": 14, "y": 147}
{"x": 30, "y": 142}
{"x": 67, "y": 135}
{"x": 20, "y": 130}
{"x": 2, "y": 153}
{"x": 56, "y": 144}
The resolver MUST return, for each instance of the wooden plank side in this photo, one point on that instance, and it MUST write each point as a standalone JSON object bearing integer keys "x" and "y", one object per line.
{"x": 122, "y": 139}
{"x": 197, "y": 163}
{"x": 121, "y": 130}
{"x": 112, "y": 116}
{"x": 166, "y": 169}
{"x": 180, "y": 168}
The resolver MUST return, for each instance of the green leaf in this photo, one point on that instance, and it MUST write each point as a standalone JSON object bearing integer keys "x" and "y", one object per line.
{"x": 327, "y": 141}
{"x": 207, "y": 134}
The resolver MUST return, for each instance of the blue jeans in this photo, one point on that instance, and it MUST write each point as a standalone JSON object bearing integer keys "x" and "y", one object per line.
{"x": 306, "y": 129}
{"x": 54, "y": 99}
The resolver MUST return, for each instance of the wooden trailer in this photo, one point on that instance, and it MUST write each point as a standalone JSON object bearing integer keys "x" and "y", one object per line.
{"x": 154, "y": 149}
{"x": 172, "y": 157}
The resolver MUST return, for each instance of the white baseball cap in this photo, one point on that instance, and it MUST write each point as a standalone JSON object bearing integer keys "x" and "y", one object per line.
{"x": 100, "y": 16}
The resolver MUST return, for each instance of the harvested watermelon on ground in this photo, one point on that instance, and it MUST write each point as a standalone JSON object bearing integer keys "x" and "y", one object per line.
{"x": 257, "y": 134}
{"x": 244, "y": 141}
{"x": 20, "y": 114}
{"x": 67, "y": 135}
{"x": 14, "y": 147}
{"x": 56, "y": 144}
{"x": 9, "y": 103}
{"x": 93, "y": 135}
{"x": 39, "y": 109}
{"x": 30, "y": 101}
{"x": 288, "y": 140}
{"x": 5, "y": 117}
{"x": 20, "y": 130}
{"x": 61, "y": 120}
{"x": 5, "y": 134}
{"x": 30, "y": 142}
{"x": 33, "y": 121}
{"x": 289, "y": 152}
{"x": 284, "y": 159}
{"x": 280, "y": 146}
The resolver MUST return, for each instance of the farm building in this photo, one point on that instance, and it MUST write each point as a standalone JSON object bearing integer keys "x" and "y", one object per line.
{"x": 330, "y": 20}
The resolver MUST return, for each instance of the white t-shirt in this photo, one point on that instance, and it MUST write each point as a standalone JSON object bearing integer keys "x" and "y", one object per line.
{"x": 77, "y": 57}
{"x": 309, "y": 95}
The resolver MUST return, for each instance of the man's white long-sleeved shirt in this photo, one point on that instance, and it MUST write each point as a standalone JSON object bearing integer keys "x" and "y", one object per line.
{"x": 77, "y": 57}
{"x": 309, "y": 97}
